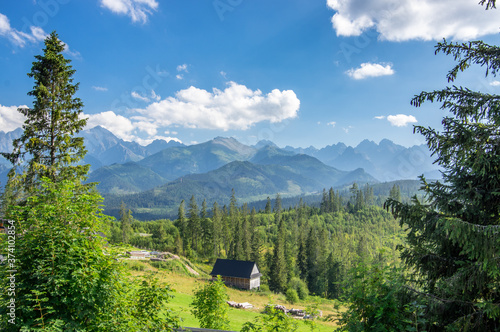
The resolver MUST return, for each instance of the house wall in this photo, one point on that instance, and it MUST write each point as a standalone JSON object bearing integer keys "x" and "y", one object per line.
{"x": 240, "y": 282}
{"x": 255, "y": 283}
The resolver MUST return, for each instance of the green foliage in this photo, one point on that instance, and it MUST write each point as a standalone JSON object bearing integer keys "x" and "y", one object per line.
{"x": 63, "y": 273}
{"x": 300, "y": 287}
{"x": 209, "y": 305}
{"x": 291, "y": 296}
{"x": 453, "y": 240}
{"x": 273, "y": 320}
{"x": 49, "y": 126}
{"x": 376, "y": 298}
{"x": 151, "y": 299}
{"x": 313, "y": 313}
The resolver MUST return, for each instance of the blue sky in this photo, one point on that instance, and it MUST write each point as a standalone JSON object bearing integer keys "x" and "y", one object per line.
{"x": 297, "y": 72}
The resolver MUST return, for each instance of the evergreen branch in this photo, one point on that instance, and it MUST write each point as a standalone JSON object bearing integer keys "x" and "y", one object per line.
{"x": 489, "y": 3}
{"x": 476, "y": 52}
{"x": 436, "y": 298}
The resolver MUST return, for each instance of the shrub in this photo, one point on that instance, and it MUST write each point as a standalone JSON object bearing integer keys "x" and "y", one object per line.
{"x": 291, "y": 296}
{"x": 300, "y": 287}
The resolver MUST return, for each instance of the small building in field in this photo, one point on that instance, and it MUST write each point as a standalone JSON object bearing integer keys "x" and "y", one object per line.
{"x": 138, "y": 254}
{"x": 240, "y": 274}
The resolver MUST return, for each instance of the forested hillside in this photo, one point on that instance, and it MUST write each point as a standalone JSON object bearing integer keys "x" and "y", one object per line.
{"x": 317, "y": 245}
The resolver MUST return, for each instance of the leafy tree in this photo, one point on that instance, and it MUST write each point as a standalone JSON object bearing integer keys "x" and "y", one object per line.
{"x": 209, "y": 305}
{"x": 453, "y": 241}
{"x": 375, "y": 301}
{"x": 47, "y": 147}
{"x": 149, "y": 307}
{"x": 63, "y": 274}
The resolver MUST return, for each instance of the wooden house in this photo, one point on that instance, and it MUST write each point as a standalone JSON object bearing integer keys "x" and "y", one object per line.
{"x": 240, "y": 274}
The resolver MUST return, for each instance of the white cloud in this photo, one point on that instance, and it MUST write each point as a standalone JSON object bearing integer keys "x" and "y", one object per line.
{"x": 20, "y": 38}
{"x": 333, "y": 123}
{"x": 380, "y": 117}
{"x": 147, "y": 99}
{"x": 10, "y": 118}
{"x": 117, "y": 124}
{"x": 347, "y": 129}
{"x": 138, "y": 96}
{"x": 401, "y": 120}
{"x": 399, "y": 20}
{"x": 236, "y": 107}
{"x": 495, "y": 83}
{"x": 179, "y": 77}
{"x": 154, "y": 96}
{"x": 72, "y": 53}
{"x": 182, "y": 68}
{"x": 133, "y": 129}
{"x": 223, "y": 74}
{"x": 151, "y": 139}
{"x": 370, "y": 70}
{"x": 100, "y": 88}
{"x": 137, "y": 10}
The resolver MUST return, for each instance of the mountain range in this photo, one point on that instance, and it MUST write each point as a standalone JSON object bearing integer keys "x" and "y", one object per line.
{"x": 158, "y": 176}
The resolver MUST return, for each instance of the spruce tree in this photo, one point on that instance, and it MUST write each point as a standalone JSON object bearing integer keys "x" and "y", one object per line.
{"x": 47, "y": 147}
{"x": 193, "y": 224}
{"x": 125, "y": 223}
{"x": 453, "y": 238}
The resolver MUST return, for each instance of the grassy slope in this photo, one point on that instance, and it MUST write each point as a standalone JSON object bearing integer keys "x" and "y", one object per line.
{"x": 184, "y": 285}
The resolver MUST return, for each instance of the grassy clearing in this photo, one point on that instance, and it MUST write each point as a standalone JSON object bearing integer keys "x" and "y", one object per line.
{"x": 184, "y": 284}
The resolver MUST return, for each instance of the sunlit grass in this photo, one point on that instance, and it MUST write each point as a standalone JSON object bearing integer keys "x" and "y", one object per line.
{"x": 184, "y": 286}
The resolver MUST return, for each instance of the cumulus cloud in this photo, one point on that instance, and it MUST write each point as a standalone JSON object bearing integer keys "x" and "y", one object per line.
{"x": 137, "y": 10}
{"x": 119, "y": 125}
{"x": 370, "y": 70}
{"x": 380, "y": 117}
{"x": 495, "y": 83}
{"x": 10, "y": 118}
{"x": 236, "y": 107}
{"x": 409, "y": 19}
{"x": 401, "y": 120}
{"x": 333, "y": 123}
{"x": 20, "y": 38}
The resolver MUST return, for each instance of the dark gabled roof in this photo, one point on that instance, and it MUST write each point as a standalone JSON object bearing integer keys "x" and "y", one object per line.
{"x": 233, "y": 268}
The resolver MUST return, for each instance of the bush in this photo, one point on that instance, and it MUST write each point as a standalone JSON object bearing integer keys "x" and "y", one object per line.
{"x": 136, "y": 265}
{"x": 291, "y": 296}
{"x": 264, "y": 288}
{"x": 300, "y": 287}
{"x": 209, "y": 305}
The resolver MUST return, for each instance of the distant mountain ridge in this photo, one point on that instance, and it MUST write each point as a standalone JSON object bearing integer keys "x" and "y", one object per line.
{"x": 127, "y": 167}
{"x": 386, "y": 161}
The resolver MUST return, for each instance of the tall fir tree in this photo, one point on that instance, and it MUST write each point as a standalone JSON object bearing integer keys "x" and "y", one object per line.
{"x": 452, "y": 241}
{"x": 48, "y": 147}
{"x": 125, "y": 223}
{"x": 216, "y": 230}
{"x": 181, "y": 224}
{"x": 193, "y": 224}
